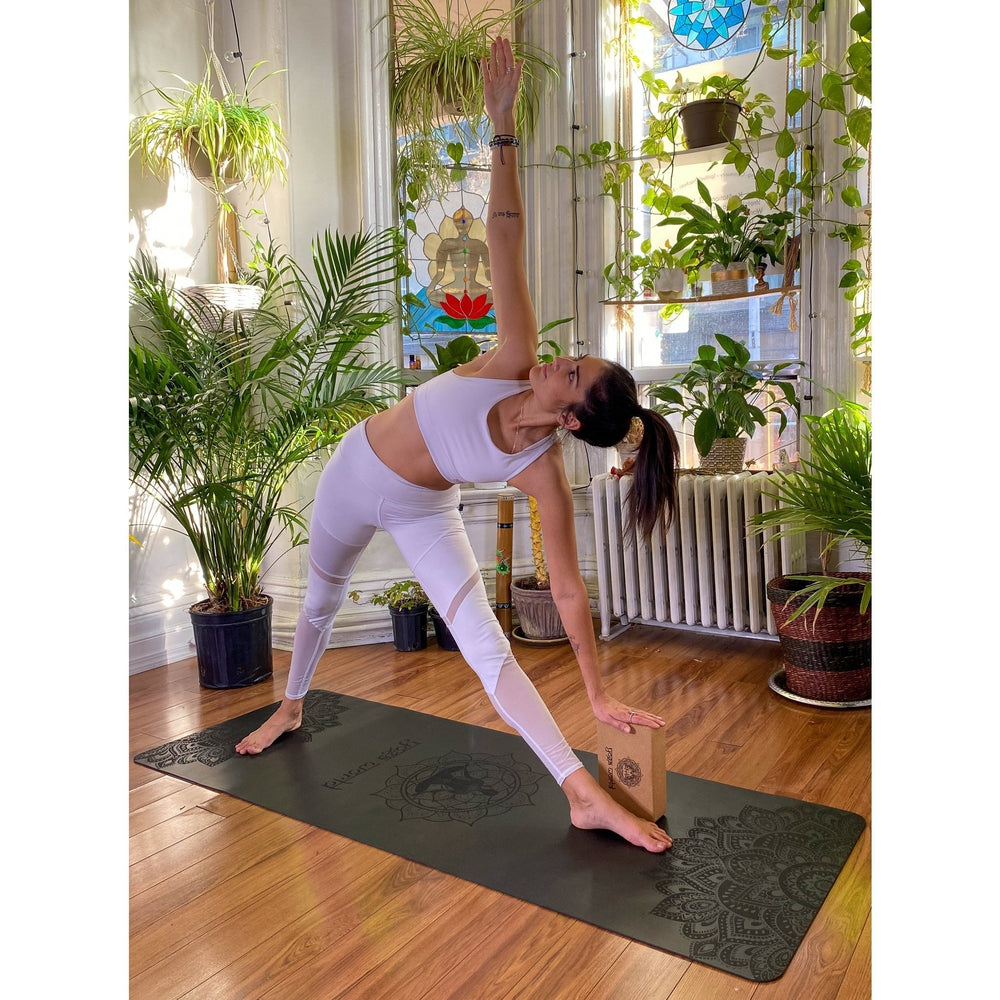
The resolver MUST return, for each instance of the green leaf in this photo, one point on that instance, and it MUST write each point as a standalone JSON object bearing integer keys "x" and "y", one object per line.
{"x": 859, "y": 126}
{"x": 851, "y": 196}
{"x": 706, "y": 429}
{"x": 795, "y": 101}
{"x": 784, "y": 145}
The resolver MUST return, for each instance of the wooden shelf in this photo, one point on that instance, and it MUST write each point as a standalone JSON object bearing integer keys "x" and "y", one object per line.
{"x": 652, "y": 300}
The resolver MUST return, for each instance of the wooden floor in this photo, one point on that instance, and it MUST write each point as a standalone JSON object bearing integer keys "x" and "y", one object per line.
{"x": 231, "y": 901}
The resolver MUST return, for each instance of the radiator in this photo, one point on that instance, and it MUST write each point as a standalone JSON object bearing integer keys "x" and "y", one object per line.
{"x": 705, "y": 574}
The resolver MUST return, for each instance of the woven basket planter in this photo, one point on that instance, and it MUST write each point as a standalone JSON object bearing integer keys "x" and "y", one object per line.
{"x": 215, "y": 306}
{"x": 827, "y": 654}
{"x": 726, "y": 455}
{"x": 731, "y": 280}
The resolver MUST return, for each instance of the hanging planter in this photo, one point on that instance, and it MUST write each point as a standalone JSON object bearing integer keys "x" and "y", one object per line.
{"x": 217, "y": 306}
{"x": 709, "y": 122}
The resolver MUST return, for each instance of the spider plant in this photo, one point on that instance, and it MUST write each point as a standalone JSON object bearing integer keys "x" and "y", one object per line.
{"x": 225, "y": 141}
{"x": 221, "y": 414}
{"x": 436, "y": 75}
{"x": 233, "y": 139}
{"x": 832, "y": 495}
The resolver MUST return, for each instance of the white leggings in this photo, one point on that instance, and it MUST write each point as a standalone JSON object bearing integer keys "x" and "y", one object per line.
{"x": 358, "y": 493}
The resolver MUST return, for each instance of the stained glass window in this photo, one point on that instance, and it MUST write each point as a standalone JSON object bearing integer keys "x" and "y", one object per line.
{"x": 704, "y": 24}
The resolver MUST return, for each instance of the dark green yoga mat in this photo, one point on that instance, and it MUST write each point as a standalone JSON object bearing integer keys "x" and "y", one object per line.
{"x": 738, "y": 890}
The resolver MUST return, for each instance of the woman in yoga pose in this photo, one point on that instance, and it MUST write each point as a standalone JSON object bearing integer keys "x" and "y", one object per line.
{"x": 493, "y": 418}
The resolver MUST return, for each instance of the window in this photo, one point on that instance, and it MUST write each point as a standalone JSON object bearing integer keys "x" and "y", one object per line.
{"x": 661, "y": 337}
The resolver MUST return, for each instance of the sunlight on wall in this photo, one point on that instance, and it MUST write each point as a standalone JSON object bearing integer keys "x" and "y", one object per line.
{"x": 166, "y": 232}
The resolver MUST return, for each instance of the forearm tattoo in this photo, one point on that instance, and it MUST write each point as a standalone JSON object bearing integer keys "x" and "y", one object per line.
{"x": 505, "y": 214}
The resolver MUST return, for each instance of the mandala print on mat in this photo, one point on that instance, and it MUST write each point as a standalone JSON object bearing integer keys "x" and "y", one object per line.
{"x": 211, "y": 747}
{"x": 746, "y": 888}
{"x": 460, "y": 786}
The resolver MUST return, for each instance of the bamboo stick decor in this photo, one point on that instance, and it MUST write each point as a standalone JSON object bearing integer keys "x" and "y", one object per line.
{"x": 505, "y": 542}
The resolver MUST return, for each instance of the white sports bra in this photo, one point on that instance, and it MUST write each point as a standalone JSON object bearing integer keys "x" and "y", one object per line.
{"x": 451, "y": 412}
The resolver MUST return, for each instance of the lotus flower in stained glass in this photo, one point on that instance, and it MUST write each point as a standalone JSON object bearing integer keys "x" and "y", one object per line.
{"x": 466, "y": 307}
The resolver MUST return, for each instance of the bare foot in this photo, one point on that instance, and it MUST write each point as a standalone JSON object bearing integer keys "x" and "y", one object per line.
{"x": 287, "y": 718}
{"x": 591, "y": 808}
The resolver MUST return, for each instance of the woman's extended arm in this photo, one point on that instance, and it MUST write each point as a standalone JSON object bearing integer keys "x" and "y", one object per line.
{"x": 545, "y": 480}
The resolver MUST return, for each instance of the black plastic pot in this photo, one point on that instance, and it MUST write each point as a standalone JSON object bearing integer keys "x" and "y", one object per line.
{"x": 442, "y": 633}
{"x": 409, "y": 628}
{"x": 234, "y": 649}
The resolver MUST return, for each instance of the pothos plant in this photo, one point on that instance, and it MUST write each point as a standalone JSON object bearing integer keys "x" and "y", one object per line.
{"x": 403, "y": 595}
{"x": 822, "y": 96}
{"x": 724, "y": 396}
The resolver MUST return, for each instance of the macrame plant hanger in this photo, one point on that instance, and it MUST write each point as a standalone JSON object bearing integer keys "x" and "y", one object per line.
{"x": 228, "y": 267}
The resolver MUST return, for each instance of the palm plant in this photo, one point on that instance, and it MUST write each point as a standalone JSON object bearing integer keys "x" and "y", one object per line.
{"x": 832, "y": 495}
{"x": 222, "y": 413}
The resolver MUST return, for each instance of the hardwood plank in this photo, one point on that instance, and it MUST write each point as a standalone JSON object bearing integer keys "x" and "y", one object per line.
{"x": 640, "y": 973}
{"x": 387, "y": 926}
{"x": 261, "y": 903}
{"x": 568, "y": 971}
{"x": 700, "y": 982}
{"x": 261, "y": 840}
{"x": 221, "y": 836}
{"x": 857, "y": 982}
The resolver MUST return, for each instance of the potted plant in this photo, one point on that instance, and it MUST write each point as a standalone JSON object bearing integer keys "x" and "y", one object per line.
{"x": 222, "y": 136}
{"x": 437, "y": 79}
{"x": 824, "y": 620}
{"x": 727, "y": 399}
{"x": 408, "y": 606}
{"x": 532, "y": 596}
{"x": 219, "y": 420}
{"x": 732, "y": 241}
{"x": 696, "y": 113}
{"x": 455, "y": 352}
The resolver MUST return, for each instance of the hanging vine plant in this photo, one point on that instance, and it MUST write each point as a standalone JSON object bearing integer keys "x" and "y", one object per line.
{"x": 437, "y": 84}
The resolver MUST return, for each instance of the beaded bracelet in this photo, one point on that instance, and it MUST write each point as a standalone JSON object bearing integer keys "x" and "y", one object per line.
{"x": 504, "y": 140}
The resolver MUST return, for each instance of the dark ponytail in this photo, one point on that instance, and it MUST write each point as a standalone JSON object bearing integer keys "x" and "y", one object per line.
{"x": 605, "y": 417}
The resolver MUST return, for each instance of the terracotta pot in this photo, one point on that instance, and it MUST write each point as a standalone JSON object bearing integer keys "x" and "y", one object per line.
{"x": 536, "y": 610}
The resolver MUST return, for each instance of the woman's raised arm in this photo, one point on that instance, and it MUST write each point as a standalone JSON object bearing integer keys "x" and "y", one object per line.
{"x": 517, "y": 328}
